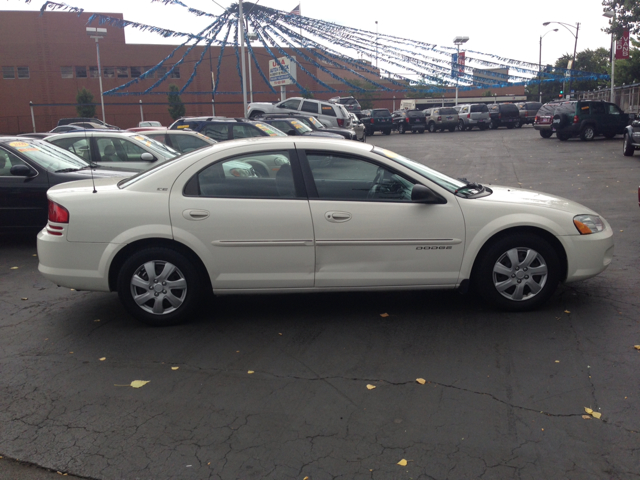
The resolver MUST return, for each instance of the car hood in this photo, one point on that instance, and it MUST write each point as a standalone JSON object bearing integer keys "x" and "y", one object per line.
{"x": 521, "y": 196}
{"x": 97, "y": 173}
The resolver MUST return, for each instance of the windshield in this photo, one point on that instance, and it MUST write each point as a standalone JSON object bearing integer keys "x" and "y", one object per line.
{"x": 381, "y": 112}
{"x": 441, "y": 179}
{"x": 315, "y": 122}
{"x": 301, "y": 127}
{"x": 47, "y": 155}
{"x": 161, "y": 148}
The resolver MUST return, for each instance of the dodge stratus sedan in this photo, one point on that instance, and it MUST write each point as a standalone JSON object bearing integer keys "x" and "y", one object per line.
{"x": 334, "y": 216}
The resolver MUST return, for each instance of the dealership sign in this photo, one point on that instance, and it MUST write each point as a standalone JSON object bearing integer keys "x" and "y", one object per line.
{"x": 622, "y": 46}
{"x": 282, "y": 71}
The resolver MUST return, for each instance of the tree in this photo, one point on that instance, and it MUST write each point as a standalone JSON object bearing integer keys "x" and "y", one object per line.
{"x": 83, "y": 97}
{"x": 307, "y": 94}
{"x": 365, "y": 98}
{"x": 595, "y": 61}
{"x": 627, "y": 15}
{"x": 176, "y": 107}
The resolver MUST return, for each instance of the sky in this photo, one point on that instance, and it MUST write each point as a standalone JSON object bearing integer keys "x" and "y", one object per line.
{"x": 509, "y": 28}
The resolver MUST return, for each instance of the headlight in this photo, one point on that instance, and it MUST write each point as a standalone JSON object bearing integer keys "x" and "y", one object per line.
{"x": 588, "y": 224}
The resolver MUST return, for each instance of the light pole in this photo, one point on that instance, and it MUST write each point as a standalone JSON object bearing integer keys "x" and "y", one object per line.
{"x": 97, "y": 34}
{"x": 458, "y": 41}
{"x": 251, "y": 37}
{"x": 575, "y": 46}
{"x": 376, "y": 44}
{"x": 540, "y": 64}
{"x": 611, "y": 14}
{"x": 242, "y": 54}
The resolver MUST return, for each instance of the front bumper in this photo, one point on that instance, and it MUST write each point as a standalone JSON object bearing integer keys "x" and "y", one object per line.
{"x": 588, "y": 255}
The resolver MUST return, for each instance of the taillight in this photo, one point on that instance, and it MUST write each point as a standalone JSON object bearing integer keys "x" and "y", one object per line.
{"x": 57, "y": 213}
{"x": 537, "y": 119}
{"x": 499, "y": 115}
{"x": 372, "y": 120}
{"x": 439, "y": 119}
{"x": 468, "y": 115}
{"x": 575, "y": 119}
{"x": 340, "y": 122}
{"x": 406, "y": 119}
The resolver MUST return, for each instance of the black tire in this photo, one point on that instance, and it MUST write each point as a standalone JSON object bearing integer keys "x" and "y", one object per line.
{"x": 452, "y": 129}
{"x": 563, "y": 137}
{"x": 461, "y": 126}
{"x": 401, "y": 129}
{"x": 421, "y": 130}
{"x": 627, "y": 146}
{"x": 587, "y": 133}
{"x": 364, "y": 137}
{"x": 511, "y": 126}
{"x": 483, "y": 127}
{"x": 133, "y": 278}
{"x": 493, "y": 125}
{"x": 369, "y": 131}
{"x": 387, "y": 131}
{"x": 493, "y": 270}
{"x": 432, "y": 127}
{"x": 255, "y": 113}
{"x": 519, "y": 124}
{"x": 546, "y": 133}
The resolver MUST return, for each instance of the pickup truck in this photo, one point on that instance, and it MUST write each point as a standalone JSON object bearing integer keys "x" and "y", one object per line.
{"x": 377, "y": 120}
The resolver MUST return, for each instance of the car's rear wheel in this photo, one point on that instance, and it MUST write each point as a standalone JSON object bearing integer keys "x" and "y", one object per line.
{"x": 461, "y": 126}
{"x": 493, "y": 125}
{"x": 517, "y": 272}
{"x": 511, "y": 126}
{"x": 387, "y": 131}
{"x": 562, "y": 136}
{"x": 421, "y": 130}
{"x": 451, "y": 129}
{"x": 546, "y": 133}
{"x": 627, "y": 146}
{"x": 432, "y": 127}
{"x": 159, "y": 286}
{"x": 255, "y": 113}
{"x": 401, "y": 129}
{"x": 587, "y": 133}
{"x": 519, "y": 124}
{"x": 483, "y": 128}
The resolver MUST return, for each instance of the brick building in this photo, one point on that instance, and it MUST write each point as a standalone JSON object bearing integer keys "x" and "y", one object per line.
{"x": 47, "y": 58}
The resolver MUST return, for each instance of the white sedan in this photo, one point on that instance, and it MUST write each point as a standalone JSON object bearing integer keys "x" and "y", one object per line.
{"x": 334, "y": 216}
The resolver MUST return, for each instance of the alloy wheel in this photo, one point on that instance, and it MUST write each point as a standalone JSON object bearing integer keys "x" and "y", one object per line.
{"x": 520, "y": 274}
{"x": 158, "y": 287}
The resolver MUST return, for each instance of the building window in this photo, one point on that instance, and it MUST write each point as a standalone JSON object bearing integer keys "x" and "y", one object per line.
{"x": 123, "y": 72}
{"x": 136, "y": 72}
{"x": 8, "y": 73}
{"x": 23, "y": 72}
{"x": 81, "y": 72}
{"x": 151, "y": 75}
{"x": 109, "y": 72}
{"x": 162, "y": 71}
{"x": 66, "y": 72}
{"x": 175, "y": 73}
{"x": 94, "y": 72}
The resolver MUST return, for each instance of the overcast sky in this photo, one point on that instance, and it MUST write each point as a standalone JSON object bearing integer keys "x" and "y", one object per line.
{"x": 509, "y": 28}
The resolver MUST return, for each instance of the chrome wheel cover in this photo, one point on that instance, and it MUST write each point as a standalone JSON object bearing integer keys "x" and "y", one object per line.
{"x": 588, "y": 133}
{"x": 520, "y": 274}
{"x": 158, "y": 287}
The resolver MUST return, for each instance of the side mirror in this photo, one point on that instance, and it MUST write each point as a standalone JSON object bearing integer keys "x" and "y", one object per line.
{"x": 422, "y": 194}
{"x": 147, "y": 157}
{"x": 22, "y": 171}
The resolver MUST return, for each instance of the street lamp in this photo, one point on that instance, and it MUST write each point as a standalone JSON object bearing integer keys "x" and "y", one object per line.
{"x": 97, "y": 34}
{"x": 575, "y": 46}
{"x": 251, "y": 37}
{"x": 540, "y": 64}
{"x": 458, "y": 41}
{"x": 611, "y": 14}
{"x": 376, "y": 44}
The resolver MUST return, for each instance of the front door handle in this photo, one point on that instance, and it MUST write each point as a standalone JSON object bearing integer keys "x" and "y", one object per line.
{"x": 195, "y": 214}
{"x": 337, "y": 217}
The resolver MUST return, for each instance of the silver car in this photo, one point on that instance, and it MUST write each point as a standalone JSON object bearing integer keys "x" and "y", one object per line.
{"x": 126, "y": 151}
{"x": 470, "y": 116}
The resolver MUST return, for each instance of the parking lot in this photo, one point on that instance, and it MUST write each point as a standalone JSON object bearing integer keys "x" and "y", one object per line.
{"x": 280, "y": 386}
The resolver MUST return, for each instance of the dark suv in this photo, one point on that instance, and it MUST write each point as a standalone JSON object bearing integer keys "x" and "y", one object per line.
{"x": 503, "y": 115}
{"x": 588, "y": 118}
{"x": 377, "y": 120}
{"x": 350, "y": 103}
{"x": 409, "y": 121}
{"x": 223, "y": 128}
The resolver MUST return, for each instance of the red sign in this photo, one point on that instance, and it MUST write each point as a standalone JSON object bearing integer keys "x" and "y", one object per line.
{"x": 622, "y": 46}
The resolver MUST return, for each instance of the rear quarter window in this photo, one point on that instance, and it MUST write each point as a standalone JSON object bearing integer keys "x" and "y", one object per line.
{"x": 479, "y": 109}
{"x": 448, "y": 111}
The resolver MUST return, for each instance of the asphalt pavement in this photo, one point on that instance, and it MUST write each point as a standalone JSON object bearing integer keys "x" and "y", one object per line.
{"x": 280, "y": 386}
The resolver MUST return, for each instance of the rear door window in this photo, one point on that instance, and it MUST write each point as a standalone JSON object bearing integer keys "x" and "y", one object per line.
{"x": 311, "y": 107}
{"x": 328, "y": 110}
{"x": 246, "y": 131}
{"x": 217, "y": 131}
{"x": 187, "y": 143}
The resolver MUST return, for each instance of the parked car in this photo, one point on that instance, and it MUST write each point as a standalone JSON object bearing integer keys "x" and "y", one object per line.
{"x": 350, "y": 103}
{"x": 358, "y": 128}
{"x": 631, "y": 141}
{"x": 150, "y": 123}
{"x": 473, "y": 115}
{"x": 310, "y": 228}
{"x": 314, "y": 124}
{"x": 67, "y": 128}
{"x": 377, "y": 120}
{"x": 588, "y": 119}
{"x": 332, "y": 114}
{"x": 543, "y": 121}
{"x": 292, "y": 125}
{"x": 183, "y": 141}
{"x": 223, "y": 128}
{"x": 409, "y": 121}
{"x": 528, "y": 112}
{"x": 503, "y": 115}
{"x": 441, "y": 119}
{"x": 67, "y": 121}
{"x": 28, "y": 168}
{"x": 126, "y": 151}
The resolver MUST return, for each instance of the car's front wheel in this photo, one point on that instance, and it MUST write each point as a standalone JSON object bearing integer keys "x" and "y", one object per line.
{"x": 401, "y": 129}
{"x": 517, "y": 272}
{"x": 386, "y": 131}
{"x": 627, "y": 146}
{"x": 159, "y": 286}
{"x": 587, "y": 133}
{"x": 546, "y": 133}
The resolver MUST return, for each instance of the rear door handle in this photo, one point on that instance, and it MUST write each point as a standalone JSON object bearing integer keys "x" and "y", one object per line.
{"x": 337, "y": 217}
{"x": 195, "y": 214}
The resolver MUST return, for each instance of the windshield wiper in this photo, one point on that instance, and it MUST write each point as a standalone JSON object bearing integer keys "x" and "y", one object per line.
{"x": 470, "y": 186}
{"x": 91, "y": 165}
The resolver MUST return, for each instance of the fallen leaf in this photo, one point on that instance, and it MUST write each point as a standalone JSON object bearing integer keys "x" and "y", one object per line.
{"x": 567, "y": 311}
{"x": 370, "y": 387}
{"x": 34, "y": 255}
{"x": 596, "y": 415}
{"x": 586, "y": 417}
{"x": 305, "y": 478}
{"x": 402, "y": 463}
{"x": 72, "y": 289}
{"x": 557, "y": 361}
{"x": 279, "y": 334}
{"x": 384, "y": 315}
{"x": 14, "y": 268}
{"x": 421, "y": 381}
{"x": 174, "y": 368}
{"x": 24, "y": 298}
{"x": 637, "y": 347}
{"x": 135, "y": 384}
{"x": 588, "y": 410}
{"x": 70, "y": 352}
{"x": 103, "y": 359}
{"x": 97, "y": 320}
{"x": 250, "y": 372}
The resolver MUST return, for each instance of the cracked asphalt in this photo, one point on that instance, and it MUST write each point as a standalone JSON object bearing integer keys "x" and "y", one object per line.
{"x": 504, "y": 397}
